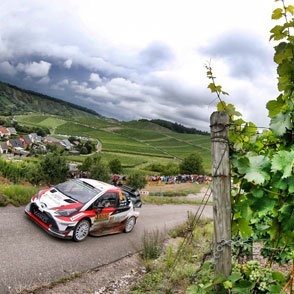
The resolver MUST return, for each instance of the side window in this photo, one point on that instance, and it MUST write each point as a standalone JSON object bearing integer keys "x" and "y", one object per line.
{"x": 107, "y": 200}
{"x": 124, "y": 199}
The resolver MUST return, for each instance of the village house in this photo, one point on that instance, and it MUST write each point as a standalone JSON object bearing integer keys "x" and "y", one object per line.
{"x": 3, "y": 148}
{"x": 35, "y": 138}
{"x": 4, "y": 132}
{"x": 51, "y": 140}
{"x": 12, "y": 131}
{"x": 66, "y": 144}
{"x": 15, "y": 144}
{"x": 26, "y": 140}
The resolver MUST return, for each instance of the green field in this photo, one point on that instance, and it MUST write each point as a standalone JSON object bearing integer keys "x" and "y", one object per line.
{"x": 51, "y": 122}
{"x": 33, "y": 119}
{"x": 40, "y": 120}
{"x": 110, "y": 142}
{"x": 98, "y": 123}
{"x": 135, "y": 143}
{"x": 175, "y": 144}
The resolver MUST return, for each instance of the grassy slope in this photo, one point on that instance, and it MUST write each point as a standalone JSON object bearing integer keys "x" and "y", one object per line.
{"x": 17, "y": 100}
{"x": 124, "y": 139}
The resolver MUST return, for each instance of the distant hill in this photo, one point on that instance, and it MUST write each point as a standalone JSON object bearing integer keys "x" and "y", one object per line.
{"x": 176, "y": 127}
{"x": 14, "y": 100}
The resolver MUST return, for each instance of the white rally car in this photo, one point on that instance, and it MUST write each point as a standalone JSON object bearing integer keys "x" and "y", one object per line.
{"x": 80, "y": 207}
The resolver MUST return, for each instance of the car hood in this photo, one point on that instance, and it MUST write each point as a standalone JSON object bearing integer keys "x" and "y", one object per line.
{"x": 53, "y": 199}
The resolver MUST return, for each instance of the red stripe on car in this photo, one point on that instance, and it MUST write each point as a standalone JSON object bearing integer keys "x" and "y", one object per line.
{"x": 43, "y": 192}
{"x": 108, "y": 210}
{"x": 41, "y": 223}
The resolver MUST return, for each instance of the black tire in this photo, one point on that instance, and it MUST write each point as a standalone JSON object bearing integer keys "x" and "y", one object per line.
{"x": 81, "y": 230}
{"x": 130, "y": 224}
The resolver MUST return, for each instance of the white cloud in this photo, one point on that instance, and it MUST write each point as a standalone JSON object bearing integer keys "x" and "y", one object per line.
{"x": 64, "y": 82}
{"x": 44, "y": 80}
{"x": 7, "y": 68}
{"x": 35, "y": 69}
{"x": 68, "y": 63}
{"x": 94, "y": 77}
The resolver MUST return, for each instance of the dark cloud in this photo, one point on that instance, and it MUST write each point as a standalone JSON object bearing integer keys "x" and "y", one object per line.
{"x": 246, "y": 55}
{"x": 155, "y": 55}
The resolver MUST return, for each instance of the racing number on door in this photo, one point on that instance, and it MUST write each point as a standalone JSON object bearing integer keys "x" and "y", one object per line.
{"x": 101, "y": 217}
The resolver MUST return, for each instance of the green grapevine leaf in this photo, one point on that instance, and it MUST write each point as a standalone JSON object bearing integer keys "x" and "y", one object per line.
{"x": 275, "y": 106}
{"x": 278, "y": 276}
{"x": 291, "y": 184}
{"x": 254, "y": 168}
{"x": 286, "y": 209}
{"x": 258, "y": 193}
{"x": 278, "y": 33}
{"x": 244, "y": 227}
{"x": 262, "y": 207}
{"x": 211, "y": 87}
{"x": 243, "y": 286}
{"x": 283, "y": 161}
{"x": 275, "y": 289}
{"x": 234, "y": 277}
{"x": 290, "y": 9}
{"x": 280, "y": 123}
{"x": 277, "y": 13}
{"x": 228, "y": 284}
{"x": 229, "y": 108}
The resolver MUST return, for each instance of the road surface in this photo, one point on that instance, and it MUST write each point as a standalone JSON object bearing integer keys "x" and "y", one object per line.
{"x": 29, "y": 256}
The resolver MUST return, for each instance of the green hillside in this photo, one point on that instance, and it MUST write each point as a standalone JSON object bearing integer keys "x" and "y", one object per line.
{"x": 136, "y": 143}
{"x": 126, "y": 140}
{"x": 14, "y": 100}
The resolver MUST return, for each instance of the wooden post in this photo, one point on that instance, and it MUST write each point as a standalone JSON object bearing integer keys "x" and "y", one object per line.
{"x": 221, "y": 189}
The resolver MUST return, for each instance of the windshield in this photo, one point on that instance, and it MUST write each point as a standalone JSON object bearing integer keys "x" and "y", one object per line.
{"x": 77, "y": 190}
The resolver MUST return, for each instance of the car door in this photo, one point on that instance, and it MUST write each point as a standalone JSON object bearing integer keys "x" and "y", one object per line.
{"x": 121, "y": 213}
{"x": 104, "y": 207}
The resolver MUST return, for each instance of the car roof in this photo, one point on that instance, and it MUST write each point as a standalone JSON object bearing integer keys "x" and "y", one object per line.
{"x": 99, "y": 185}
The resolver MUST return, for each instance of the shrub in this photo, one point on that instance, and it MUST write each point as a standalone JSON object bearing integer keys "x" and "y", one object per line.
{"x": 54, "y": 168}
{"x": 115, "y": 166}
{"x": 136, "y": 181}
{"x": 98, "y": 170}
{"x": 193, "y": 164}
{"x": 152, "y": 244}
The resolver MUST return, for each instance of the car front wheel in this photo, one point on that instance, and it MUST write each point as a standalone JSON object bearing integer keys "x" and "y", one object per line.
{"x": 130, "y": 224}
{"x": 81, "y": 230}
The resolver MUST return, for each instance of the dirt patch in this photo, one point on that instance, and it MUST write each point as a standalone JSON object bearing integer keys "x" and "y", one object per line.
{"x": 109, "y": 279}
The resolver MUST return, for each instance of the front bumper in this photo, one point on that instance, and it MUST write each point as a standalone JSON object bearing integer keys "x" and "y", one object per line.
{"x": 47, "y": 227}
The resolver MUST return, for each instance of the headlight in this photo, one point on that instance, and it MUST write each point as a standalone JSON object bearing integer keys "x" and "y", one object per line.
{"x": 66, "y": 212}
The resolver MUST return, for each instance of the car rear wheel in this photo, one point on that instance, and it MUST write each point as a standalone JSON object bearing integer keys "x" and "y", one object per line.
{"x": 81, "y": 230}
{"x": 130, "y": 224}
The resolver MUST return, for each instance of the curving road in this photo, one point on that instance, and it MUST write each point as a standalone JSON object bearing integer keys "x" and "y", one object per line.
{"x": 29, "y": 256}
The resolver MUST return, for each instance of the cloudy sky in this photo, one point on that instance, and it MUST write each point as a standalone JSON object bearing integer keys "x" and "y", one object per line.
{"x": 132, "y": 59}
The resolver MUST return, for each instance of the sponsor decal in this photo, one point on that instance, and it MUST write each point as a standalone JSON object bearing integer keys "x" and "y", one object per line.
{"x": 101, "y": 217}
{"x": 111, "y": 219}
{"x": 76, "y": 216}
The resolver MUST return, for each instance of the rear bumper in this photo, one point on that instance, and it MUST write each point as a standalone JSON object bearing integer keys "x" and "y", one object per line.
{"x": 48, "y": 229}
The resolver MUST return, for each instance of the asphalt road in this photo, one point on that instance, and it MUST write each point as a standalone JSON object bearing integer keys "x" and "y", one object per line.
{"x": 29, "y": 256}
